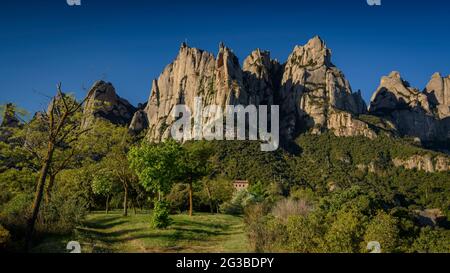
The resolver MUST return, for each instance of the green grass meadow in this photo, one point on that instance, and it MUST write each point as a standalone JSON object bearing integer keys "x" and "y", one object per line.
{"x": 114, "y": 233}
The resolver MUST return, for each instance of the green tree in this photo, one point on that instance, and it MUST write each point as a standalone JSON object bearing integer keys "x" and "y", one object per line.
{"x": 193, "y": 166}
{"x": 157, "y": 166}
{"x": 383, "y": 228}
{"x": 215, "y": 192}
{"x": 345, "y": 233}
{"x": 117, "y": 165}
{"x": 432, "y": 240}
{"x": 103, "y": 185}
{"x": 304, "y": 234}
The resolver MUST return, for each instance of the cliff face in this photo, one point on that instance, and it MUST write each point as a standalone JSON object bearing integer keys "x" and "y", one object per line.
{"x": 139, "y": 122}
{"x": 9, "y": 118}
{"x": 104, "y": 103}
{"x": 414, "y": 113}
{"x": 343, "y": 124}
{"x": 262, "y": 78}
{"x": 438, "y": 93}
{"x": 424, "y": 163}
{"x": 9, "y": 121}
{"x": 313, "y": 94}
{"x": 217, "y": 80}
{"x": 312, "y": 88}
{"x": 308, "y": 88}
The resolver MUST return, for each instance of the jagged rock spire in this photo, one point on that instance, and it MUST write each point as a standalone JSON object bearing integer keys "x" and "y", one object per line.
{"x": 414, "y": 113}
{"x": 312, "y": 92}
{"x": 104, "y": 103}
{"x": 9, "y": 118}
{"x": 438, "y": 93}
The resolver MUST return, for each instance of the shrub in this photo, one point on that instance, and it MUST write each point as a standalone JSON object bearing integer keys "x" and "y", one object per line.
{"x": 236, "y": 206}
{"x": 254, "y": 219}
{"x": 267, "y": 234}
{"x": 303, "y": 194}
{"x": 14, "y": 213}
{"x": 62, "y": 214}
{"x": 160, "y": 216}
{"x": 5, "y": 237}
{"x": 288, "y": 207}
{"x": 303, "y": 234}
{"x": 432, "y": 241}
{"x": 345, "y": 233}
{"x": 383, "y": 229}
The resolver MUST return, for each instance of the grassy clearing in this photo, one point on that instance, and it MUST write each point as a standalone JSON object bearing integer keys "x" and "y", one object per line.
{"x": 201, "y": 233}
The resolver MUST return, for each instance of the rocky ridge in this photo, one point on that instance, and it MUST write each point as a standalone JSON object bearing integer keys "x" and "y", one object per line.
{"x": 104, "y": 103}
{"x": 414, "y": 113}
{"x": 313, "y": 94}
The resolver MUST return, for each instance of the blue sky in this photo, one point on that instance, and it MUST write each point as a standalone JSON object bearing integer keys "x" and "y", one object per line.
{"x": 130, "y": 42}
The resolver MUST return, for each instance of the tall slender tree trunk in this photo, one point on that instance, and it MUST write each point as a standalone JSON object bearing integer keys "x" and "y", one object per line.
{"x": 38, "y": 197}
{"x": 125, "y": 202}
{"x": 107, "y": 204}
{"x": 51, "y": 183}
{"x": 208, "y": 191}
{"x": 133, "y": 204}
{"x": 190, "y": 199}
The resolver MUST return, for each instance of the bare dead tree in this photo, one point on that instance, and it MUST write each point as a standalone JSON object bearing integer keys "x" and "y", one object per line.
{"x": 59, "y": 130}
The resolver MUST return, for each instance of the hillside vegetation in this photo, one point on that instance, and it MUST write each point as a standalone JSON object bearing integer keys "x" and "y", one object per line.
{"x": 334, "y": 194}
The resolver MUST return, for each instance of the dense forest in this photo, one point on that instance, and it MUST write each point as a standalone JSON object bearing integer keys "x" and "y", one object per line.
{"x": 333, "y": 194}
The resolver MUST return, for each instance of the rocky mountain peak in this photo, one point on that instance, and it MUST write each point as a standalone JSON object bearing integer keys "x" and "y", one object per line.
{"x": 395, "y": 75}
{"x": 194, "y": 73}
{"x": 257, "y": 58}
{"x": 314, "y": 54}
{"x": 313, "y": 94}
{"x": 9, "y": 118}
{"x": 262, "y": 76}
{"x": 104, "y": 103}
{"x": 394, "y": 93}
{"x": 414, "y": 113}
{"x": 312, "y": 87}
{"x": 438, "y": 93}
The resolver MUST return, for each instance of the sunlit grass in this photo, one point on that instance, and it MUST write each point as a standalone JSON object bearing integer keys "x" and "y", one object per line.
{"x": 115, "y": 233}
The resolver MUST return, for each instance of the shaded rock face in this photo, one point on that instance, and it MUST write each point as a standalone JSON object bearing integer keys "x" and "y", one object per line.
{"x": 219, "y": 81}
{"x": 139, "y": 122}
{"x": 106, "y": 104}
{"x": 431, "y": 217}
{"x": 438, "y": 93}
{"x": 9, "y": 121}
{"x": 414, "y": 113}
{"x": 9, "y": 118}
{"x": 262, "y": 76}
{"x": 395, "y": 94}
{"x": 312, "y": 87}
{"x": 308, "y": 88}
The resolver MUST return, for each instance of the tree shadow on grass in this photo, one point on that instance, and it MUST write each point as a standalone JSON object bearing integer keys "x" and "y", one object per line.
{"x": 198, "y": 231}
{"x": 107, "y": 235}
{"x": 104, "y": 224}
{"x": 181, "y": 233}
{"x": 175, "y": 234}
{"x": 201, "y": 224}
